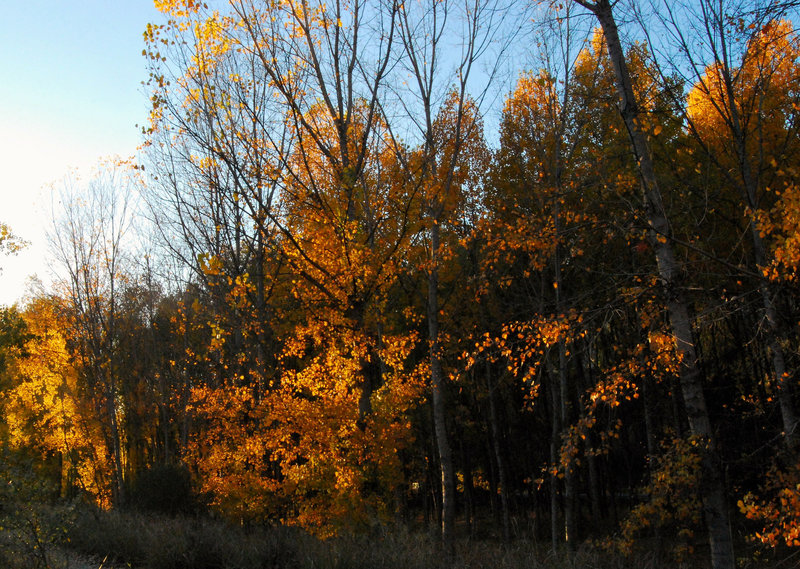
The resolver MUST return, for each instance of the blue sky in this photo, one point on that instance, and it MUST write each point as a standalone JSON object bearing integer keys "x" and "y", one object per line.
{"x": 70, "y": 93}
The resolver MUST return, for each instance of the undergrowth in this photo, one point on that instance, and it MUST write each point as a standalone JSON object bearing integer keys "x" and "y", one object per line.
{"x": 158, "y": 542}
{"x": 38, "y": 537}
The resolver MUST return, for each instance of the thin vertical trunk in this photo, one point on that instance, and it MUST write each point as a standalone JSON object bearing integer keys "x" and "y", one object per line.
{"x": 111, "y": 393}
{"x": 612, "y": 489}
{"x": 164, "y": 417}
{"x": 570, "y": 535}
{"x": 782, "y": 379}
{"x": 498, "y": 454}
{"x": 749, "y": 190}
{"x": 647, "y": 403}
{"x": 469, "y": 490}
{"x": 554, "y": 445}
{"x": 713, "y": 496}
{"x": 569, "y": 473}
{"x": 585, "y": 368}
{"x": 111, "y": 409}
{"x": 594, "y": 488}
{"x": 493, "y": 484}
{"x": 261, "y": 321}
{"x": 437, "y": 388}
{"x": 677, "y": 414}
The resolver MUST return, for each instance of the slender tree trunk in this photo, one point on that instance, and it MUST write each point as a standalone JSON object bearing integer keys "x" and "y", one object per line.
{"x": 554, "y": 445}
{"x": 678, "y": 416}
{"x": 569, "y": 472}
{"x": 259, "y": 385}
{"x": 164, "y": 417}
{"x": 469, "y": 490}
{"x": 111, "y": 409}
{"x": 782, "y": 379}
{"x": 585, "y": 368}
{"x": 570, "y": 535}
{"x": 594, "y": 488}
{"x": 649, "y": 428}
{"x": 437, "y": 388}
{"x": 612, "y": 489}
{"x": 712, "y": 489}
{"x": 749, "y": 190}
{"x": 647, "y": 404}
{"x": 498, "y": 454}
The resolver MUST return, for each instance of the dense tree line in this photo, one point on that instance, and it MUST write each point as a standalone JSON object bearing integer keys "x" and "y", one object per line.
{"x": 355, "y": 310}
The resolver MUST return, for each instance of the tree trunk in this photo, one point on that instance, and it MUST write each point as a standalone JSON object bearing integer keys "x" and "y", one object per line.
{"x": 774, "y": 338}
{"x": 749, "y": 190}
{"x": 647, "y": 405}
{"x": 712, "y": 491}
{"x": 554, "y": 439}
{"x": 585, "y": 368}
{"x": 437, "y": 388}
{"x": 469, "y": 490}
{"x": 498, "y": 454}
{"x": 111, "y": 409}
{"x": 570, "y": 535}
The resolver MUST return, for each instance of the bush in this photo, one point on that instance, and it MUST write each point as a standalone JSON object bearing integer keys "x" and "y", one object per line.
{"x": 31, "y": 530}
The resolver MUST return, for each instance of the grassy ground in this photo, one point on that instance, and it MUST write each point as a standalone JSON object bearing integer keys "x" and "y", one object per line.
{"x": 182, "y": 543}
{"x": 80, "y": 538}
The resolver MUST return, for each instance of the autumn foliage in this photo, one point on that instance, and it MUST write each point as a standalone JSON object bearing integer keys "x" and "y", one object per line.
{"x": 361, "y": 307}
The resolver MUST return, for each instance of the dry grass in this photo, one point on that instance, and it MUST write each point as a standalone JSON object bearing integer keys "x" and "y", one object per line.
{"x": 82, "y": 538}
{"x": 151, "y": 542}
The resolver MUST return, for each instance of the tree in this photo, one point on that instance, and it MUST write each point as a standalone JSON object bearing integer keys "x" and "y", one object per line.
{"x": 10, "y": 244}
{"x": 46, "y": 410}
{"x": 89, "y": 242}
{"x": 13, "y": 333}
{"x": 715, "y": 508}
{"x": 446, "y": 165}
{"x": 457, "y": 160}
{"x": 287, "y": 130}
{"x": 743, "y": 118}
{"x": 565, "y": 235}
{"x": 740, "y": 60}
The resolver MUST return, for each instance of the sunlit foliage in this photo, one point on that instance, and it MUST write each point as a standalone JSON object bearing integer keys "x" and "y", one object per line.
{"x": 47, "y": 411}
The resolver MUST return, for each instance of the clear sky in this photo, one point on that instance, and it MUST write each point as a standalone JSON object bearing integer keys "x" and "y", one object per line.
{"x": 70, "y": 93}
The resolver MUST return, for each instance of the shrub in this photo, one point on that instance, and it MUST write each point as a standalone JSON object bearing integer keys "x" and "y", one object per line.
{"x": 30, "y": 529}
